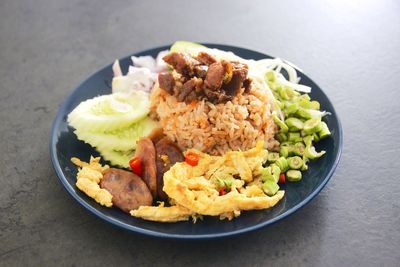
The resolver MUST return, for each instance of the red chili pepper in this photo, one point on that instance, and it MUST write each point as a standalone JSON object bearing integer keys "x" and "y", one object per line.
{"x": 238, "y": 189}
{"x": 136, "y": 166}
{"x": 192, "y": 159}
{"x": 282, "y": 178}
{"x": 222, "y": 191}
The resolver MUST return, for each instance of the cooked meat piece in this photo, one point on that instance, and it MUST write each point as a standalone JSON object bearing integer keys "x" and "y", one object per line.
{"x": 146, "y": 151}
{"x": 205, "y": 58}
{"x": 191, "y": 97}
{"x": 215, "y": 76}
{"x": 224, "y": 97}
{"x": 168, "y": 153}
{"x": 211, "y": 94}
{"x": 183, "y": 63}
{"x": 201, "y": 71}
{"x": 128, "y": 191}
{"x": 203, "y": 76}
{"x": 156, "y": 135}
{"x": 247, "y": 85}
{"x": 188, "y": 87}
{"x": 166, "y": 81}
{"x": 228, "y": 71}
{"x": 239, "y": 74}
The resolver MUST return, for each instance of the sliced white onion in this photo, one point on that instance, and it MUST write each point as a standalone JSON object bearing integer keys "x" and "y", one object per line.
{"x": 116, "y": 68}
{"x": 145, "y": 62}
{"x": 160, "y": 63}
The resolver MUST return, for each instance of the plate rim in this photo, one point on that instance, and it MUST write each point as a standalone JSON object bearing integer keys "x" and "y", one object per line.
{"x": 60, "y": 174}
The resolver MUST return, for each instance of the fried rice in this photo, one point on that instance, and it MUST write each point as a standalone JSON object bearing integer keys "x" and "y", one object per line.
{"x": 216, "y": 128}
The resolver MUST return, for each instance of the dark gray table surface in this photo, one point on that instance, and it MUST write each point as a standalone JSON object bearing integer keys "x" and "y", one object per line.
{"x": 350, "y": 48}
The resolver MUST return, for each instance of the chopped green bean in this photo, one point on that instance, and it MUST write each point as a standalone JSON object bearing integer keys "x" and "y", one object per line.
{"x": 303, "y": 96}
{"x": 294, "y": 123}
{"x": 282, "y": 164}
{"x": 286, "y": 143}
{"x": 266, "y": 174}
{"x": 310, "y": 152}
{"x": 304, "y": 167}
{"x": 312, "y": 125}
{"x": 316, "y": 137}
{"x": 299, "y": 149}
{"x": 294, "y": 137}
{"x": 295, "y": 162}
{"x": 324, "y": 132}
{"x": 305, "y": 103}
{"x": 290, "y": 92}
{"x": 292, "y": 108}
{"x": 308, "y": 140}
{"x": 282, "y": 137}
{"x": 276, "y": 171}
{"x": 280, "y": 104}
{"x": 281, "y": 124}
{"x": 314, "y": 105}
{"x": 304, "y": 113}
{"x": 270, "y": 76}
{"x": 293, "y": 175}
{"x": 270, "y": 188}
{"x": 272, "y": 157}
{"x": 284, "y": 151}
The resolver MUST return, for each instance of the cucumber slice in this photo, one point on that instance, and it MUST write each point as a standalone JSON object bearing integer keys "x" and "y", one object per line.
{"x": 120, "y": 140}
{"x": 186, "y": 47}
{"x": 109, "y": 112}
{"x": 117, "y": 158}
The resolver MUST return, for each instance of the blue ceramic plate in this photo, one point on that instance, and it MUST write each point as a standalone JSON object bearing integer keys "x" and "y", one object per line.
{"x": 64, "y": 145}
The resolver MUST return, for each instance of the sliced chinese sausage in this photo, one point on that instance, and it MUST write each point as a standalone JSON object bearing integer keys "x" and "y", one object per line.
{"x": 168, "y": 153}
{"x": 128, "y": 190}
{"x": 146, "y": 152}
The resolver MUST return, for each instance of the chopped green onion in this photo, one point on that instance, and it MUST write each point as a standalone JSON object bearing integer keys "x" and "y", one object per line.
{"x": 221, "y": 183}
{"x": 228, "y": 182}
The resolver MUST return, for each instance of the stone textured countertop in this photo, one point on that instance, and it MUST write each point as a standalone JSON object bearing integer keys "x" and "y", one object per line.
{"x": 350, "y": 48}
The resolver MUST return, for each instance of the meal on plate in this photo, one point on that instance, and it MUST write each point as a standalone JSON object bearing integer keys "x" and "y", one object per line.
{"x": 197, "y": 131}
